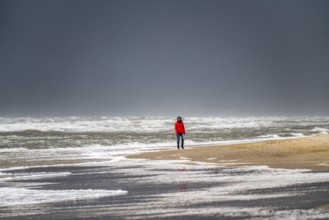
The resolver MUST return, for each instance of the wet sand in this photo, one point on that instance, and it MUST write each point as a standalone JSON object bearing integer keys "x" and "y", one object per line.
{"x": 167, "y": 190}
{"x": 300, "y": 153}
{"x": 160, "y": 189}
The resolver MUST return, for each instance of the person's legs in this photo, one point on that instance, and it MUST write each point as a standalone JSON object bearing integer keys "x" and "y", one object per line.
{"x": 178, "y": 140}
{"x": 180, "y": 137}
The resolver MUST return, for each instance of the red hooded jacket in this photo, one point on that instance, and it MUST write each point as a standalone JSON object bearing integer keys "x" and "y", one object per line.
{"x": 179, "y": 128}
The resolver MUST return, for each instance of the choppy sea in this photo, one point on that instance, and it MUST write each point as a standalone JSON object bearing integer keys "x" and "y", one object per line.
{"x": 27, "y": 143}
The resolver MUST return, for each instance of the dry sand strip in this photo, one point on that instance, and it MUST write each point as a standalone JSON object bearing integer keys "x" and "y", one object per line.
{"x": 300, "y": 153}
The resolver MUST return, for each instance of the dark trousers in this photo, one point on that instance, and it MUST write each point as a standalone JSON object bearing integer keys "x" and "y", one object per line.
{"x": 180, "y": 138}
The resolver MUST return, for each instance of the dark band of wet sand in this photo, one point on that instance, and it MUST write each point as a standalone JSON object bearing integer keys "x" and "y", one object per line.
{"x": 300, "y": 153}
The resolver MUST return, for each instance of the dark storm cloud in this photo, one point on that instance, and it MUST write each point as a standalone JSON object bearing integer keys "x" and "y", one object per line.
{"x": 164, "y": 57}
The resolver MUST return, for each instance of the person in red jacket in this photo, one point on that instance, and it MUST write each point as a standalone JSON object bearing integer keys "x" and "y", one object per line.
{"x": 180, "y": 131}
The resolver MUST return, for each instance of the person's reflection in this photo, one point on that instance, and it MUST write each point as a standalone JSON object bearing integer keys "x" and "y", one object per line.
{"x": 183, "y": 186}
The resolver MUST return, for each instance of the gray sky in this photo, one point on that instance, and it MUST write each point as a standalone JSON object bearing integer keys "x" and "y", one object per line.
{"x": 221, "y": 58}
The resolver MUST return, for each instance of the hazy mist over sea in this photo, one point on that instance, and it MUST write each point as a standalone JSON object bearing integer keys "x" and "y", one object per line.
{"x": 164, "y": 58}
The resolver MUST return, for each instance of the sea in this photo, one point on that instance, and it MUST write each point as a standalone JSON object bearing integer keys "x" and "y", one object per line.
{"x": 32, "y": 148}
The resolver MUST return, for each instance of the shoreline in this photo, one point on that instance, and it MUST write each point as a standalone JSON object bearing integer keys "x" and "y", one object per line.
{"x": 184, "y": 189}
{"x": 311, "y": 153}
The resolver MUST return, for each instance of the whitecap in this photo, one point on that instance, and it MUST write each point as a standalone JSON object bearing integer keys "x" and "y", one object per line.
{"x": 11, "y": 196}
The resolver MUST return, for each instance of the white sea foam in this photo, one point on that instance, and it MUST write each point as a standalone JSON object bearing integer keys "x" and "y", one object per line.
{"x": 86, "y": 124}
{"x": 269, "y": 136}
{"x": 129, "y": 134}
{"x": 241, "y": 185}
{"x": 137, "y": 132}
{"x": 150, "y": 124}
{"x": 99, "y": 152}
{"x": 297, "y": 134}
{"x": 8, "y": 177}
{"x": 19, "y": 196}
{"x": 17, "y": 190}
{"x": 320, "y": 130}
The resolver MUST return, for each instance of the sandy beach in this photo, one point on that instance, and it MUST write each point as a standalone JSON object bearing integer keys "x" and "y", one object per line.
{"x": 298, "y": 153}
{"x": 73, "y": 168}
{"x": 173, "y": 184}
